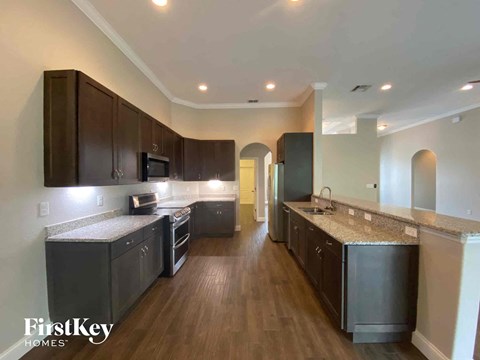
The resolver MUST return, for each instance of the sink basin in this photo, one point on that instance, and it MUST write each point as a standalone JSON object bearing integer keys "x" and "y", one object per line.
{"x": 315, "y": 211}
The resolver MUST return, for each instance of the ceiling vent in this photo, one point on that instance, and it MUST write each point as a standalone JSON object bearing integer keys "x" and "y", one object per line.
{"x": 252, "y": 101}
{"x": 361, "y": 88}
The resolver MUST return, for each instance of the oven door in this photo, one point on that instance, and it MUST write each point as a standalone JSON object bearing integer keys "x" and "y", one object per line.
{"x": 179, "y": 243}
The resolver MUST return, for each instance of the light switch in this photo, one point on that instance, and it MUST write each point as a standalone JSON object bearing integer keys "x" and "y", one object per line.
{"x": 368, "y": 217}
{"x": 44, "y": 208}
{"x": 351, "y": 212}
{"x": 100, "y": 200}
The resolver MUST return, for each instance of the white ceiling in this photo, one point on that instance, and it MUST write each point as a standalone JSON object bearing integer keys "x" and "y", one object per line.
{"x": 427, "y": 49}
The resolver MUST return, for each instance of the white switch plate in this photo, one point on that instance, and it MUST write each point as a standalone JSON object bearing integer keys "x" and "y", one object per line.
{"x": 411, "y": 231}
{"x": 368, "y": 217}
{"x": 316, "y": 201}
{"x": 44, "y": 208}
{"x": 100, "y": 200}
{"x": 469, "y": 212}
{"x": 351, "y": 212}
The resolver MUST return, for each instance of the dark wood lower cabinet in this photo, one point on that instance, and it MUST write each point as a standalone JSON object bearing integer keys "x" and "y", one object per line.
{"x": 101, "y": 281}
{"x": 369, "y": 291}
{"x": 215, "y": 218}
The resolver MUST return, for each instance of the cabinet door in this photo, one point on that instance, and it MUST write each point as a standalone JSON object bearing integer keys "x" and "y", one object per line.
{"x": 191, "y": 160}
{"x": 332, "y": 282}
{"x": 157, "y": 137}
{"x": 294, "y": 234}
{"x": 149, "y": 253}
{"x": 313, "y": 258}
{"x": 302, "y": 246}
{"x": 167, "y": 144}
{"x": 126, "y": 281}
{"x": 97, "y": 113}
{"x": 176, "y": 170}
{"x": 146, "y": 133}
{"x": 225, "y": 159}
{"x": 208, "y": 161}
{"x": 128, "y": 142}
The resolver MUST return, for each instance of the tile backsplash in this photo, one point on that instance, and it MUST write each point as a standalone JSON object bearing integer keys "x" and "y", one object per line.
{"x": 203, "y": 187}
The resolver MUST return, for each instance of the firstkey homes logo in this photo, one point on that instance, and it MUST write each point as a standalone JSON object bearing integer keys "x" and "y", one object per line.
{"x": 72, "y": 327}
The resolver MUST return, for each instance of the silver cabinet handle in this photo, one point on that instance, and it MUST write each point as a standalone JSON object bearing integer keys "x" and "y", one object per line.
{"x": 329, "y": 243}
{"x": 310, "y": 228}
{"x": 319, "y": 251}
{"x": 154, "y": 228}
{"x": 143, "y": 251}
{"x": 115, "y": 174}
{"x": 121, "y": 173}
{"x": 146, "y": 247}
{"x": 129, "y": 242}
{"x": 316, "y": 249}
{"x": 286, "y": 210}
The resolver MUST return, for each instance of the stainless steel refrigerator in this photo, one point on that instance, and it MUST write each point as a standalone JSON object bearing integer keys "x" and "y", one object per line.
{"x": 275, "y": 201}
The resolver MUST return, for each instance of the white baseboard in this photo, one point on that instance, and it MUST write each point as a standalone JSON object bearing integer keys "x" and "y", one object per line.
{"x": 427, "y": 348}
{"x": 260, "y": 219}
{"x": 17, "y": 350}
{"x": 237, "y": 228}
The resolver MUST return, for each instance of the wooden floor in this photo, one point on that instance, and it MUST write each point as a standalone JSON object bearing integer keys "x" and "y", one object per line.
{"x": 238, "y": 298}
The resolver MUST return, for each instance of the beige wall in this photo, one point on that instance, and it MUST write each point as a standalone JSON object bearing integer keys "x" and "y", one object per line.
{"x": 308, "y": 114}
{"x": 35, "y": 36}
{"x": 350, "y": 162}
{"x": 457, "y": 149}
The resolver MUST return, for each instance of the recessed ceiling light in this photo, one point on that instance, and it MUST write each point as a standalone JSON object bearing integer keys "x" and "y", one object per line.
{"x": 386, "y": 87}
{"x": 382, "y": 127}
{"x": 203, "y": 87}
{"x": 467, "y": 87}
{"x": 270, "y": 86}
{"x": 160, "y": 2}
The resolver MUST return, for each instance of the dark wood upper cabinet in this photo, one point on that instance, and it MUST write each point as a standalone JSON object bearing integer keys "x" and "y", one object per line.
{"x": 146, "y": 133}
{"x": 92, "y": 136}
{"x": 157, "y": 137}
{"x": 128, "y": 142}
{"x": 225, "y": 159}
{"x": 209, "y": 160}
{"x": 167, "y": 143}
{"x": 176, "y": 162}
{"x": 192, "y": 170}
{"x": 97, "y": 115}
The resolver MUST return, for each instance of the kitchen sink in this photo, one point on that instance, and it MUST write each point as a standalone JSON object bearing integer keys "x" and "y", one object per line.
{"x": 315, "y": 211}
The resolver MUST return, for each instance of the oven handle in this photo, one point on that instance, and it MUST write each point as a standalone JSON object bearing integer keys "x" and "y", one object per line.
{"x": 183, "y": 240}
{"x": 177, "y": 225}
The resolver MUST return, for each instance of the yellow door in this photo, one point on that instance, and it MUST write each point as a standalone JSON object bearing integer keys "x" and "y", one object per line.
{"x": 247, "y": 182}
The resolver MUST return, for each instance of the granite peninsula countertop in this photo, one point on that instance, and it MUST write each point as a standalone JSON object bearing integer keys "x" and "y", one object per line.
{"x": 463, "y": 228}
{"x": 107, "y": 230}
{"x": 352, "y": 231}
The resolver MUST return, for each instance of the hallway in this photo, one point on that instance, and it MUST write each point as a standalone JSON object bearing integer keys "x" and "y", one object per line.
{"x": 237, "y": 298}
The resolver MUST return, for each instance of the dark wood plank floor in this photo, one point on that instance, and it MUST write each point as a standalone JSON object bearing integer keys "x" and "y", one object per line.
{"x": 238, "y": 298}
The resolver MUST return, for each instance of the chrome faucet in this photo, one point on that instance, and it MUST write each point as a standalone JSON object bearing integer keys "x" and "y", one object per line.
{"x": 330, "y": 206}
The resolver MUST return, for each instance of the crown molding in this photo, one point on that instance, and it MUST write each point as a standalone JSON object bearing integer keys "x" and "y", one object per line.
{"x": 89, "y": 10}
{"x": 431, "y": 119}
{"x": 368, "y": 116}
{"x": 92, "y": 13}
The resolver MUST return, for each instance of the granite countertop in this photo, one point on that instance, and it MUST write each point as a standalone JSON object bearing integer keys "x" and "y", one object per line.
{"x": 444, "y": 223}
{"x": 193, "y": 199}
{"x": 107, "y": 230}
{"x": 352, "y": 231}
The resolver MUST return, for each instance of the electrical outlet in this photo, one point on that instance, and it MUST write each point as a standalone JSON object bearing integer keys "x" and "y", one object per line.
{"x": 351, "y": 212}
{"x": 368, "y": 217}
{"x": 100, "y": 200}
{"x": 469, "y": 212}
{"x": 235, "y": 187}
{"x": 44, "y": 208}
{"x": 411, "y": 231}
{"x": 316, "y": 201}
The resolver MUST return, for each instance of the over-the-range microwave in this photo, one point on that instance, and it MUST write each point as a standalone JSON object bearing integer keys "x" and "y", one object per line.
{"x": 154, "y": 168}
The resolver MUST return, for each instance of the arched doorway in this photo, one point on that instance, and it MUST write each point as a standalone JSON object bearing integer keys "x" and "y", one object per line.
{"x": 254, "y": 161}
{"x": 424, "y": 180}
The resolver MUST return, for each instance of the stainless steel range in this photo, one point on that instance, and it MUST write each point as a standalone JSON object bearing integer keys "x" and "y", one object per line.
{"x": 176, "y": 242}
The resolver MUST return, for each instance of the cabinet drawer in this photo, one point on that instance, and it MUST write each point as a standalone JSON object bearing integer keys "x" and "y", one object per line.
{"x": 126, "y": 243}
{"x": 219, "y": 205}
{"x": 330, "y": 244}
{"x": 153, "y": 229}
